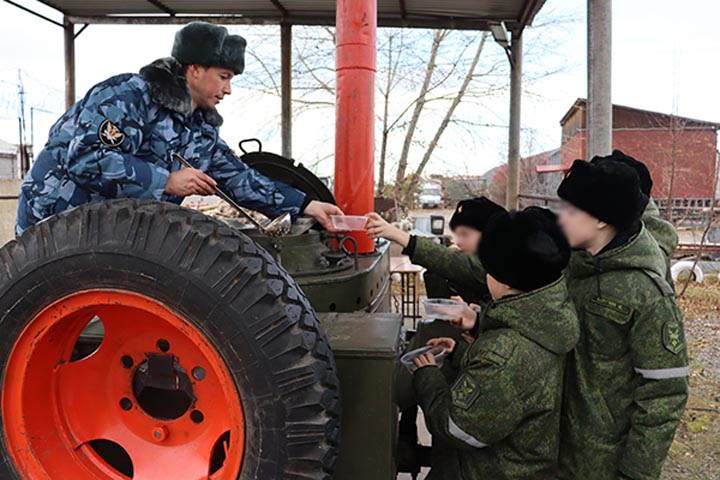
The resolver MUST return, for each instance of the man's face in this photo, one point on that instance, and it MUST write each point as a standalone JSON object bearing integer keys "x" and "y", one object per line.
{"x": 467, "y": 238}
{"x": 579, "y": 227}
{"x": 208, "y": 85}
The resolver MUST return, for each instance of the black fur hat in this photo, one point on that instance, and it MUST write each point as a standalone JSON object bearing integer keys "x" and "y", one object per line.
{"x": 608, "y": 190}
{"x": 640, "y": 168}
{"x": 474, "y": 213}
{"x": 524, "y": 249}
{"x": 200, "y": 43}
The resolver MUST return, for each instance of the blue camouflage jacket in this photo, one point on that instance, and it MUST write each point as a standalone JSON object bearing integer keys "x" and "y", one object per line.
{"x": 118, "y": 140}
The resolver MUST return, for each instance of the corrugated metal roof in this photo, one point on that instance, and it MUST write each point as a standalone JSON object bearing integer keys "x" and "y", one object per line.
{"x": 465, "y": 14}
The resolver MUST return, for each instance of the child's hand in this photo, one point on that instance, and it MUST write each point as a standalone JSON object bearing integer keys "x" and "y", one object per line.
{"x": 468, "y": 317}
{"x": 467, "y": 337}
{"x": 425, "y": 360}
{"x": 447, "y": 343}
{"x": 377, "y": 227}
{"x": 458, "y": 299}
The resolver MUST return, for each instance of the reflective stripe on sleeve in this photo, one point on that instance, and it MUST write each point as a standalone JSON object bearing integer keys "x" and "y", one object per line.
{"x": 664, "y": 373}
{"x": 463, "y": 436}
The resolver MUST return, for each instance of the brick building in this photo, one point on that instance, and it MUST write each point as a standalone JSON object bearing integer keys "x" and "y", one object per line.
{"x": 660, "y": 140}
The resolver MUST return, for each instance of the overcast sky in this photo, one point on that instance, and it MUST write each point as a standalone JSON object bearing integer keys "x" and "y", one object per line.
{"x": 664, "y": 58}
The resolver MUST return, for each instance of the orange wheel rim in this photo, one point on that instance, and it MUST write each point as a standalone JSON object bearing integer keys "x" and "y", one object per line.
{"x": 155, "y": 387}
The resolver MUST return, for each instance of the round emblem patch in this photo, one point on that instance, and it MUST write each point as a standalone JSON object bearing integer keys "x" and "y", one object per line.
{"x": 110, "y": 134}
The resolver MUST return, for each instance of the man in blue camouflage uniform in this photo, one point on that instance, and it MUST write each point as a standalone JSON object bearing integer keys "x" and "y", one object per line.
{"x": 118, "y": 141}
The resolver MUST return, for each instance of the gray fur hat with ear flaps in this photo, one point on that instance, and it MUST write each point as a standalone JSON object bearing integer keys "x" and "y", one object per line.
{"x": 201, "y": 43}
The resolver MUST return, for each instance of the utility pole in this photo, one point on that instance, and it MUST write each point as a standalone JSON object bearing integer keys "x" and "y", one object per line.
{"x": 286, "y": 88}
{"x": 24, "y": 164}
{"x": 599, "y": 112}
{"x": 513, "y": 180}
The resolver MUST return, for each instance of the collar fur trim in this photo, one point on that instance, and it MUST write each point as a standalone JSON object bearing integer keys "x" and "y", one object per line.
{"x": 169, "y": 89}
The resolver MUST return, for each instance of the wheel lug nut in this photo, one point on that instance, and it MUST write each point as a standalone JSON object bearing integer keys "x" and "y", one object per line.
{"x": 198, "y": 373}
{"x": 159, "y": 433}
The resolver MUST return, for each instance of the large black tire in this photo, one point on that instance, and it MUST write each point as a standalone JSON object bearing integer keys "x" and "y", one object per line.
{"x": 232, "y": 290}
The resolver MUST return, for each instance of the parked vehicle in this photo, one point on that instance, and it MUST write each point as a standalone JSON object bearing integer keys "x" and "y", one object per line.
{"x": 431, "y": 196}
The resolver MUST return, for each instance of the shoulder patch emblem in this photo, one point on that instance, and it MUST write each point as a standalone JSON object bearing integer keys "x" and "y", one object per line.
{"x": 673, "y": 336}
{"x": 110, "y": 134}
{"x": 465, "y": 392}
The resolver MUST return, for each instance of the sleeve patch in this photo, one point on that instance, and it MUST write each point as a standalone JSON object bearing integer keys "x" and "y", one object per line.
{"x": 464, "y": 392}
{"x": 673, "y": 336}
{"x": 110, "y": 134}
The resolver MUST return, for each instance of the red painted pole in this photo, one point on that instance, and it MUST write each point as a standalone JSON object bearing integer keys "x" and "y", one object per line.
{"x": 355, "y": 62}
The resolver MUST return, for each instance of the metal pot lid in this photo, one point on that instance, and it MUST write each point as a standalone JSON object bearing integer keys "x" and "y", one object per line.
{"x": 285, "y": 170}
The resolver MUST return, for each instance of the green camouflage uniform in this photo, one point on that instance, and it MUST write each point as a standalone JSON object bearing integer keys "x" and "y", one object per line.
{"x": 662, "y": 231}
{"x": 464, "y": 273}
{"x": 626, "y": 381}
{"x": 500, "y": 419}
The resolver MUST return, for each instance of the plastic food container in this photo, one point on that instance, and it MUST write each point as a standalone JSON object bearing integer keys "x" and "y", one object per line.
{"x": 407, "y": 359}
{"x": 349, "y": 223}
{"x": 442, "y": 309}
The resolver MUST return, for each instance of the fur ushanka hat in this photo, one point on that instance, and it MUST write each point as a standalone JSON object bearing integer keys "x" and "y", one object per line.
{"x": 474, "y": 213}
{"x": 525, "y": 250}
{"x": 201, "y": 43}
{"x": 640, "y": 168}
{"x": 608, "y": 190}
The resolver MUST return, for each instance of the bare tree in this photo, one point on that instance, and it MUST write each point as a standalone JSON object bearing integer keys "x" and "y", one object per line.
{"x": 416, "y": 176}
{"x": 429, "y": 83}
{"x": 711, "y": 221}
{"x": 390, "y": 82}
{"x": 681, "y": 141}
{"x": 419, "y": 104}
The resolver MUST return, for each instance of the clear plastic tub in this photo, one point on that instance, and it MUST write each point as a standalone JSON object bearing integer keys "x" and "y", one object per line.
{"x": 442, "y": 309}
{"x": 349, "y": 223}
{"x": 438, "y": 353}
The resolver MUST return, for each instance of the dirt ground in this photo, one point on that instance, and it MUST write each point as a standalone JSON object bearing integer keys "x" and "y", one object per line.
{"x": 695, "y": 453}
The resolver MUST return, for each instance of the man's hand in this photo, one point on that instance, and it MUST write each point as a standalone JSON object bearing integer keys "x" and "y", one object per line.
{"x": 377, "y": 227}
{"x": 190, "y": 181}
{"x": 446, "y": 342}
{"x": 321, "y": 212}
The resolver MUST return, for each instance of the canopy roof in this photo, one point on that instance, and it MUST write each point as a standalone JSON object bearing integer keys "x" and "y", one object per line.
{"x": 456, "y": 14}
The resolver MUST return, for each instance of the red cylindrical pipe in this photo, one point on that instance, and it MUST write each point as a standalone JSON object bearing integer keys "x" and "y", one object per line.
{"x": 355, "y": 62}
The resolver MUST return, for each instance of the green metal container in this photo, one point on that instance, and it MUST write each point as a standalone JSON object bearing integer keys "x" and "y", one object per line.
{"x": 333, "y": 281}
{"x": 366, "y": 348}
